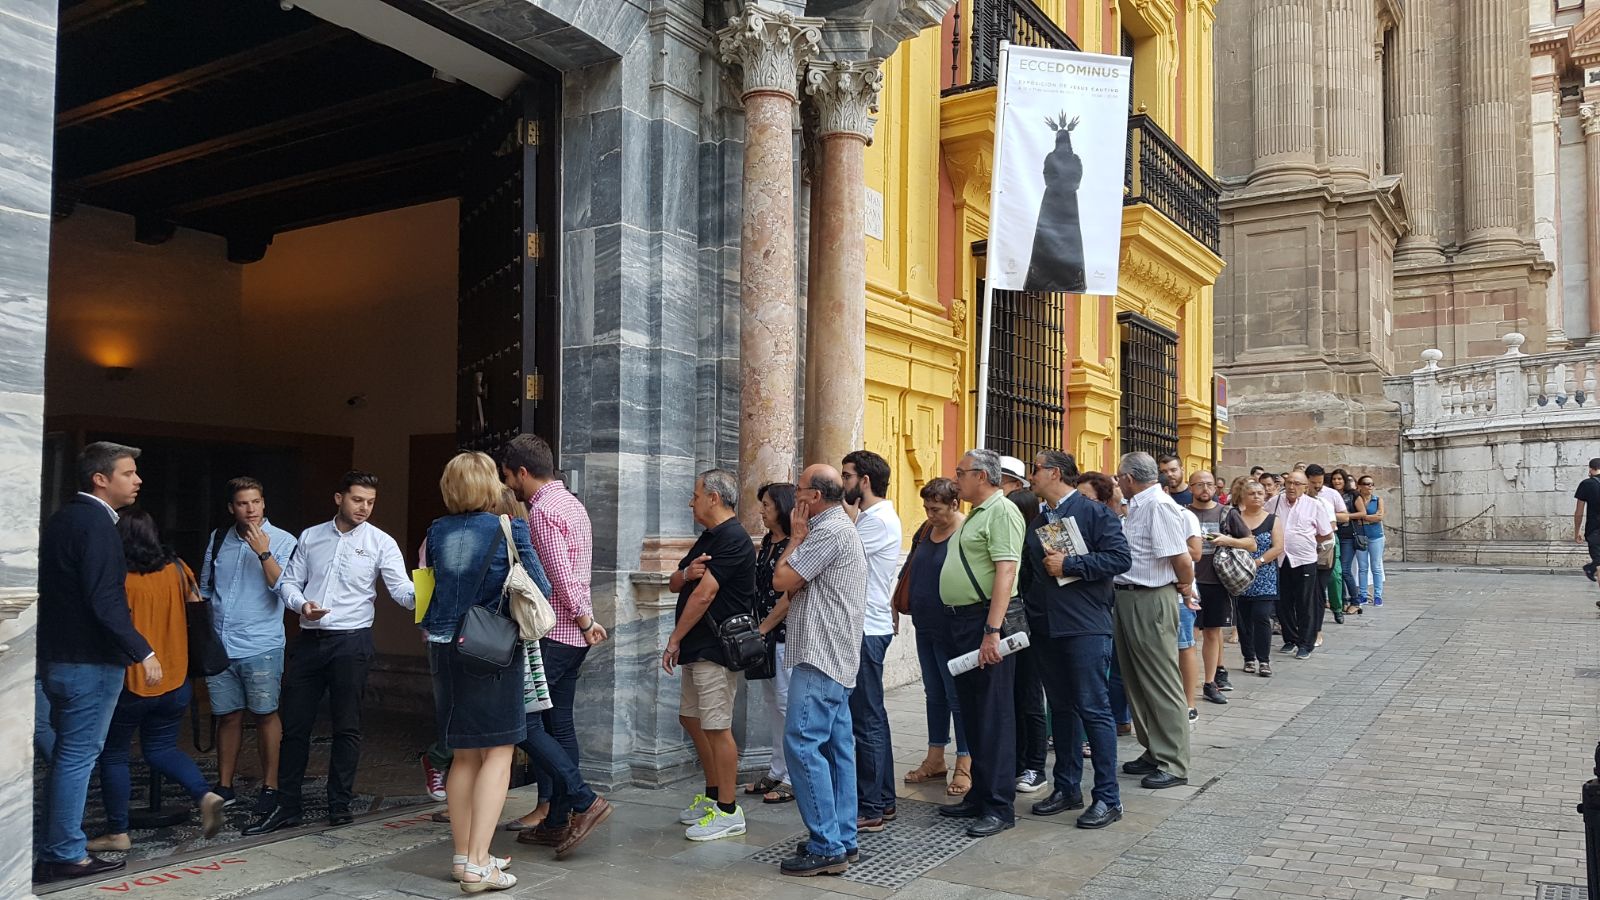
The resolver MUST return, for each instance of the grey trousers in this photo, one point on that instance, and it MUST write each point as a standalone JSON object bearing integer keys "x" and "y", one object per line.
{"x": 1145, "y": 631}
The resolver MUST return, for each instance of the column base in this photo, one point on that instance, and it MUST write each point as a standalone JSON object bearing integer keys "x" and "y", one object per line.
{"x": 1419, "y": 253}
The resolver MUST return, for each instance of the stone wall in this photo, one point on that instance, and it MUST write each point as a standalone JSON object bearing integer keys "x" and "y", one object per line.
{"x": 1491, "y": 455}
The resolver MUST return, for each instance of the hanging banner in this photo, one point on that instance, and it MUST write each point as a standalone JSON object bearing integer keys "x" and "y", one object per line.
{"x": 1060, "y": 150}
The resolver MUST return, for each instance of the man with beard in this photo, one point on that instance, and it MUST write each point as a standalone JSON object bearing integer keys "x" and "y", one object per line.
{"x": 1173, "y": 482}
{"x": 866, "y": 481}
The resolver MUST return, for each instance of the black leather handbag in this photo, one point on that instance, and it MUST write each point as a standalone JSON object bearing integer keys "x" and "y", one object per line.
{"x": 207, "y": 656}
{"x": 487, "y": 637}
{"x": 743, "y": 645}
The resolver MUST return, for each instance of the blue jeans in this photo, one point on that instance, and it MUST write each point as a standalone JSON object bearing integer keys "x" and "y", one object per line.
{"x": 1074, "y": 670}
{"x": 82, "y": 698}
{"x": 820, "y": 746}
{"x": 560, "y": 781}
{"x": 938, "y": 686}
{"x": 1347, "y": 559}
{"x": 1120, "y": 710}
{"x": 44, "y": 736}
{"x": 157, "y": 720}
{"x": 1369, "y": 564}
{"x": 874, "y": 751}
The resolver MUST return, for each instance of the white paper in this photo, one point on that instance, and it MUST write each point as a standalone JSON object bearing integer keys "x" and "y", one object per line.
{"x": 966, "y": 662}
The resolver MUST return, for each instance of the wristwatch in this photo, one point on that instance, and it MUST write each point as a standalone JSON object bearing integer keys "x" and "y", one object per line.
{"x": 263, "y": 555}
{"x": 989, "y": 629}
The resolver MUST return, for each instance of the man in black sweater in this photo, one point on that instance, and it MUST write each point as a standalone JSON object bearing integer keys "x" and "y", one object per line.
{"x": 86, "y": 643}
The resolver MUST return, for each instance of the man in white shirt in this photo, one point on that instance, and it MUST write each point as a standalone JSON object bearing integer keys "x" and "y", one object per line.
{"x": 1145, "y": 622}
{"x": 866, "y": 482}
{"x": 331, "y": 583}
{"x": 1307, "y": 522}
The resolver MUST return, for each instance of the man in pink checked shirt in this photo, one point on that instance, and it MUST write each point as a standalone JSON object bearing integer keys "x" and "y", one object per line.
{"x": 563, "y": 539}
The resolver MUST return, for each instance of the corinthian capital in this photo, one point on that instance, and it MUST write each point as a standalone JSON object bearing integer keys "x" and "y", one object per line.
{"x": 1589, "y": 113}
{"x": 846, "y": 95}
{"x": 770, "y": 46}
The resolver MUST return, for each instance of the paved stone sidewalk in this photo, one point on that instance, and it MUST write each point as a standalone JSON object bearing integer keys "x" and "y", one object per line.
{"x": 1433, "y": 748}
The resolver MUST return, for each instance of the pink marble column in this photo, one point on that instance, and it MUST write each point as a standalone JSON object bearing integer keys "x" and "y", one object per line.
{"x": 769, "y": 46}
{"x": 1590, "y": 115}
{"x": 846, "y": 95}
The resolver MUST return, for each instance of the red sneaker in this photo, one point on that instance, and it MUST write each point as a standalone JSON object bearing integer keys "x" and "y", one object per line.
{"x": 434, "y": 778}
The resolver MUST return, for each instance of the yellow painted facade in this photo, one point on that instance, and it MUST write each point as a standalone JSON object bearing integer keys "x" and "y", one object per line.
{"x": 928, "y": 169}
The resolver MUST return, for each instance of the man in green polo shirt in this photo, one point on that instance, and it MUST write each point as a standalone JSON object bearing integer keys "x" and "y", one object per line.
{"x": 977, "y": 583}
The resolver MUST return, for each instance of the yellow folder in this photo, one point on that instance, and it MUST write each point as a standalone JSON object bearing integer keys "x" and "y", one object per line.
{"x": 423, "y": 580}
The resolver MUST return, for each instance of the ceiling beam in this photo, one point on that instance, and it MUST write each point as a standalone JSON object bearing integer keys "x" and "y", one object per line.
{"x": 359, "y": 108}
{"x": 364, "y": 168}
{"x": 91, "y": 11}
{"x": 133, "y": 98}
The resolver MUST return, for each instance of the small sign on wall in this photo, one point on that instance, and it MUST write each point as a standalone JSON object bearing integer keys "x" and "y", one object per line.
{"x": 874, "y": 214}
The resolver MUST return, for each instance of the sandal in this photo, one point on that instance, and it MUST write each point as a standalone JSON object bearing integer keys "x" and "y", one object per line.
{"x": 782, "y": 793}
{"x": 960, "y": 780}
{"x": 925, "y": 772}
{"x": 764, "y": 786}
{"x": 499, "y": 881}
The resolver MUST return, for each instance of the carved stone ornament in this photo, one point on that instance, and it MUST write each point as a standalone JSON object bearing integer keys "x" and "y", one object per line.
{"x": 770, "y": 46}
{"x": 1589, "y": 113}
{"x": 846, "y": 95}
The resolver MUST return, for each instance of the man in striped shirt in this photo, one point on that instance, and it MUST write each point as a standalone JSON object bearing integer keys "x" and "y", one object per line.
{"x": 1145, "y": 622}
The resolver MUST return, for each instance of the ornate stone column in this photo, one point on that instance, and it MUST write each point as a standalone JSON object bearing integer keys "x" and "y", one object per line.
{"x": 1489, "y": 123}
{"x": 1415, "y": 135}
{"x": 1589, "y": 113}
{"x": 1283, "y": 34}
{"x": 846, "y": 94}
{"x": 769, "y": 46}
{"x": 1352, "y": 99}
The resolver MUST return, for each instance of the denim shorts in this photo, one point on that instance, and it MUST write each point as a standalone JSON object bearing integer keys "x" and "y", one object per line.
{"x": 1185, "y": 627}
{"x": 253, "y": 681}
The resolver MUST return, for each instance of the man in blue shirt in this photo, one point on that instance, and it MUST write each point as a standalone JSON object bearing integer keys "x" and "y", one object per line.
{"x": 241, "y": 565}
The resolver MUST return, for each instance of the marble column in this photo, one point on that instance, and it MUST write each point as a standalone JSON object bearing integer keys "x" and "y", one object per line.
{"x": 1489, "y": 124}
{"x": 1416, "y": 135}
{"x": 1589, "y": 113}
{"x": 769, "y": 46}
{"x": 846, "y": 95}
{"x": 1352, "y": 100}
{"x": 1283, "y": 34}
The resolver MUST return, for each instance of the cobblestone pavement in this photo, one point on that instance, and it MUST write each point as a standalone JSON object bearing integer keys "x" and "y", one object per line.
{"x": 1432, "y": 749}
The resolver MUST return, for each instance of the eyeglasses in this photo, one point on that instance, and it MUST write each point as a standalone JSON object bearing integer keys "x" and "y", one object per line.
{"x": 960, "y": 471}
{"x": 1365, "y": 483}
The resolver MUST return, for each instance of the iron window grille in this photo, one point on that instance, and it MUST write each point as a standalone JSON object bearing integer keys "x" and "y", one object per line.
{"x": 1027, "y": 364}
{"x": 1149, "y": 386}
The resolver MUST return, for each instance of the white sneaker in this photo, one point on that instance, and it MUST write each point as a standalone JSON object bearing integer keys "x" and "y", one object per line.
{"x": 697, "y": 810}
{"x": 1030, "y": 780}
{"x": 717, "y": 824}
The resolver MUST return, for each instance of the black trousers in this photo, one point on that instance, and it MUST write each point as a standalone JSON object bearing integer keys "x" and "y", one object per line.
{"x": 334, "y": 663}
{"x": 1254, "y": 621}
{"x": 1075, "y": 671}
{"x": 1027, "y": 694}
{"x": 1319, "y": 605}
{"x": 986, "y": 704}
{"x": 1297, "y": 590}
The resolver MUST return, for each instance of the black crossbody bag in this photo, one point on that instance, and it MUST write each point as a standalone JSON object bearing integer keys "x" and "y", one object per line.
{"x": 486, "y": 636}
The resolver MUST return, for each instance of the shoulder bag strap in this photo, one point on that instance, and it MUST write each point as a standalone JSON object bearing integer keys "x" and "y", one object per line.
{"x": 962, "y": 553}
{"x": 513, "y": 557}
{"x": 483, "y": 575}
{"x": 216, "y": 547}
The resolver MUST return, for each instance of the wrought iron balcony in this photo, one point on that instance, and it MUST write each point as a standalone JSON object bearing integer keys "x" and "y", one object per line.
{"x": 1160, "y": 174}
{"x": 993, "y": 21}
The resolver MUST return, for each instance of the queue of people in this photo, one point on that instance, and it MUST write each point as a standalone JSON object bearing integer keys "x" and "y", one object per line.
{"x": 1126, "y": 585}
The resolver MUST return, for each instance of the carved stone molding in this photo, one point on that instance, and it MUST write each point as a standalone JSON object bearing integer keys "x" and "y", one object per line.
{"x": 846, "y": 95}
{"x": 1157, "y": 281}
{"x": 770, "y": 46}
{"x": 1589, "y": 113}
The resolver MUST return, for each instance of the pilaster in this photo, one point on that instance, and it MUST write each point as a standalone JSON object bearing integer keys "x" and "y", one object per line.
{"x": 1283, "y": 33}
{"x": 1589, "y": 113}
{"x": 1416, "y": 135}
{"x": 1489, "y": 125}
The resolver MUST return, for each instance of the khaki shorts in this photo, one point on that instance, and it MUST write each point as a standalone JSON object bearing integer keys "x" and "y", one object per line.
{"x": 708, "y": 695}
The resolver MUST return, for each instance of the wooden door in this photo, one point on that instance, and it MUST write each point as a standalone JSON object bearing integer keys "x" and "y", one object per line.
{"x": 507, "y": 322}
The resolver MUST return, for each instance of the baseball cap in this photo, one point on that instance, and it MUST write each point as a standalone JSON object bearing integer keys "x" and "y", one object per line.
{"x": 1010, "y": 465}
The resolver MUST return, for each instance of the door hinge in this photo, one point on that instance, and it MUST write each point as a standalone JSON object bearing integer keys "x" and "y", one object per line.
{"x": 536, "y": 387}
{"x": 531, "y": 133}
{"x": 535, "y": 245}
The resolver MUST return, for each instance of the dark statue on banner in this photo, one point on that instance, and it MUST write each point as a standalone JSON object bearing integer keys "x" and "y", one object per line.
{"x": 1057, "y": 260}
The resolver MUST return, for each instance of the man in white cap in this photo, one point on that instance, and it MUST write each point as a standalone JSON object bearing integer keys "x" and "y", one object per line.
{"x": 1028, "y": 687}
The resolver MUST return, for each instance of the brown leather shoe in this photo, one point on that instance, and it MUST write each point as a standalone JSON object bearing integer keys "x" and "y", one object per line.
{"x": 1124, "y": 728}
{"x": 544, "y": 837}
{"x": 583, "y": 823}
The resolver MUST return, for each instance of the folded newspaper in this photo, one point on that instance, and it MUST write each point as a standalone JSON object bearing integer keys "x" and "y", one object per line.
{"x": 1063, "y": 535}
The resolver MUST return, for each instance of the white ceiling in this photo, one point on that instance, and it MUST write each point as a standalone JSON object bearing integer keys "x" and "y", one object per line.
{"x": 377, "y": 21}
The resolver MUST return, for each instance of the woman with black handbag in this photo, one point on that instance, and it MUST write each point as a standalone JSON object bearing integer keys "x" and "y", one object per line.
{"x": 777, "y": 503}
{"x": 478, "y": 691}
{"x": 158, "y": 585}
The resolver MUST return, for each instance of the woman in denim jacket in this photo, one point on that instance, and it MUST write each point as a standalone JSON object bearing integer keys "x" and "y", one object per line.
{"x": 480, "y": 713}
